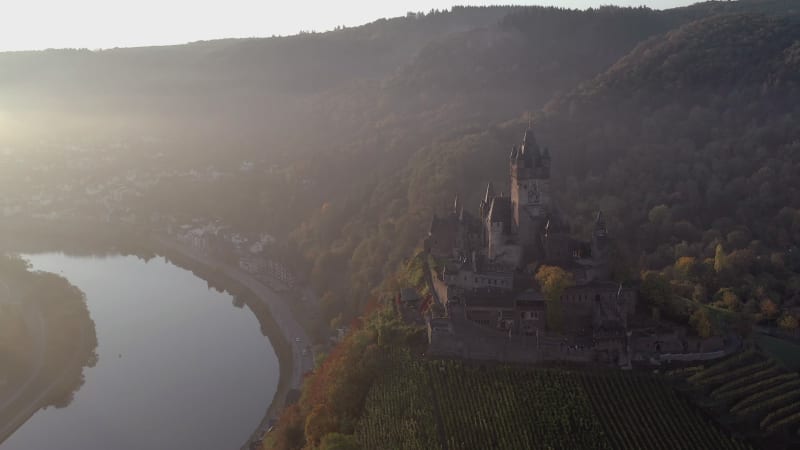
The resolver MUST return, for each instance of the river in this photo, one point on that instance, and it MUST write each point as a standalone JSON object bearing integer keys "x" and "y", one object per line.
{"x": 180, "y": 367}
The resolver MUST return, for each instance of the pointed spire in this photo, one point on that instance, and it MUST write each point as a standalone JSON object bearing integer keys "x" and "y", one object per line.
{"x": 530, "y": 148}
{"x": 456, "y": 205}
{"x": 513, "y": 154}
{"x": 489, "y": 193}
{"x": 600, "y": 224}
{"x": 529, "y": 132}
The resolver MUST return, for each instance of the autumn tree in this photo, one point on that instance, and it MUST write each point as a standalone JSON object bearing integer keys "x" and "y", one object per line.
{"x": 729, "y": 300}
{"x": 289, "y": 431}
{"x": 320, "y": 422}
{"x": 720, "y": 259}
{"x": 338, "y": 441}
{"x": 554, "y": 281}
{"x": 768, "y": 308}
{"x": 701, "y": 323}
{"x": 788, "y": 322}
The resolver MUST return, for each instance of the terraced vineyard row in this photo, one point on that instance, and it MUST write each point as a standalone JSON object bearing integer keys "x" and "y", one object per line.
{"x": 398, "y": 410}
{"x": 641, "y": 411}
{"x": 757, "y": 393}
{"x": 509, "y": 408}
{"x": 454, "y": 405}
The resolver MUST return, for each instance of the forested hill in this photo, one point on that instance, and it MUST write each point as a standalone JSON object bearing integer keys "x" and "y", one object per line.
{"x": 306, "y": 62}
{"x": 625, "y": 141}
{"x": 690, "y": 145}
{"x": 391, "y": 119}
{"x": 702, "y": 122}
{"x": 259, "y": 87}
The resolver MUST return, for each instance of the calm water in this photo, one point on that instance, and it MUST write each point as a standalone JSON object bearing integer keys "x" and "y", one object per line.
{"x": 194, "y": 372}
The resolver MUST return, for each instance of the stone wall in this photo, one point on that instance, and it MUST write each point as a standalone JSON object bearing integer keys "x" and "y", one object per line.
{"x": 463, "y": 339}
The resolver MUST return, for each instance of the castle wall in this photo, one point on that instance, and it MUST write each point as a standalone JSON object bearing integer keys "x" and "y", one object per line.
{"x": 467, "y": 279}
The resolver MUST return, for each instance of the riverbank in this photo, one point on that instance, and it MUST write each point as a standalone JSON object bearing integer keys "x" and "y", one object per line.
{"x": 272, "y": 309}
{"x": 56, "y": 372}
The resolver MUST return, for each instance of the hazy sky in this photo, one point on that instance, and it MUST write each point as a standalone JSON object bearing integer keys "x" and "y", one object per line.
{"x": 38, "y": 24}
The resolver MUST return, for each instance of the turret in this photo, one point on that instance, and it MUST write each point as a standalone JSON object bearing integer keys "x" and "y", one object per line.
{"x": 601, "y": 245}
{"x": 530, "y": 152}
{"x": 600, "y": 229}
{"x": 457, "y": 206}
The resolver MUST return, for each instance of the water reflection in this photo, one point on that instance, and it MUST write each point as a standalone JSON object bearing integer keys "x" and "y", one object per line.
{"x": 179, "y": 368}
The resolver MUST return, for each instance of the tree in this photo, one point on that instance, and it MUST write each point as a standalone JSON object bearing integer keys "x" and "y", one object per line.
{"x": 289, "y": 432}
{"x": 338, "y": 441}
{"x": 655, "y": 289}
{"x": 686, "y": 267}
{"x": 699, "y": 293}
{"x": 768, "y": 308}
{"x": 788, "y": 322}
{"x": 320, "y": 421}
{"x": 659, "y": 214}
{"x": 729, "y": 300}
{"x": 554, "y": 281}
{"x": 701, "y": 323}
{"x": 720, "y": 259}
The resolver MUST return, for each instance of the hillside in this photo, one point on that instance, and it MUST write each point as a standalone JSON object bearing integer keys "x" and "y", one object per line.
{"x": 414, "y": 155}
{"x": 719, "y": 156}
{"x": 232, "y": 86}
{"x": 698, "y": 164}
{"x": 387, "y": 130}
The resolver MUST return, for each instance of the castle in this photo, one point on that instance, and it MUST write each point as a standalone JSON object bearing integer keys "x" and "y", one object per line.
{"x": 489, "y": 260}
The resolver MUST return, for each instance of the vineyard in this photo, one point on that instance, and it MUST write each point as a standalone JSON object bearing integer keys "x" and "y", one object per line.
{"x": 752, "y": 392}
{"x": 454, "y": 405}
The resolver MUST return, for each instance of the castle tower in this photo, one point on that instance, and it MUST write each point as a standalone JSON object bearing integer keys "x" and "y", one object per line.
{"x": 530, "y": 188}
{"x": 497, "y": 225}
{"x": 600, "y": 248}
{"x": 599, "y": 238}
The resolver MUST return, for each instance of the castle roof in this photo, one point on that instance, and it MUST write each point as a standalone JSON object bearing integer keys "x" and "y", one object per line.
{"x": 600, "y": 224}
{"x": 500, "y": 212}
{"x": 530, "y": 152}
